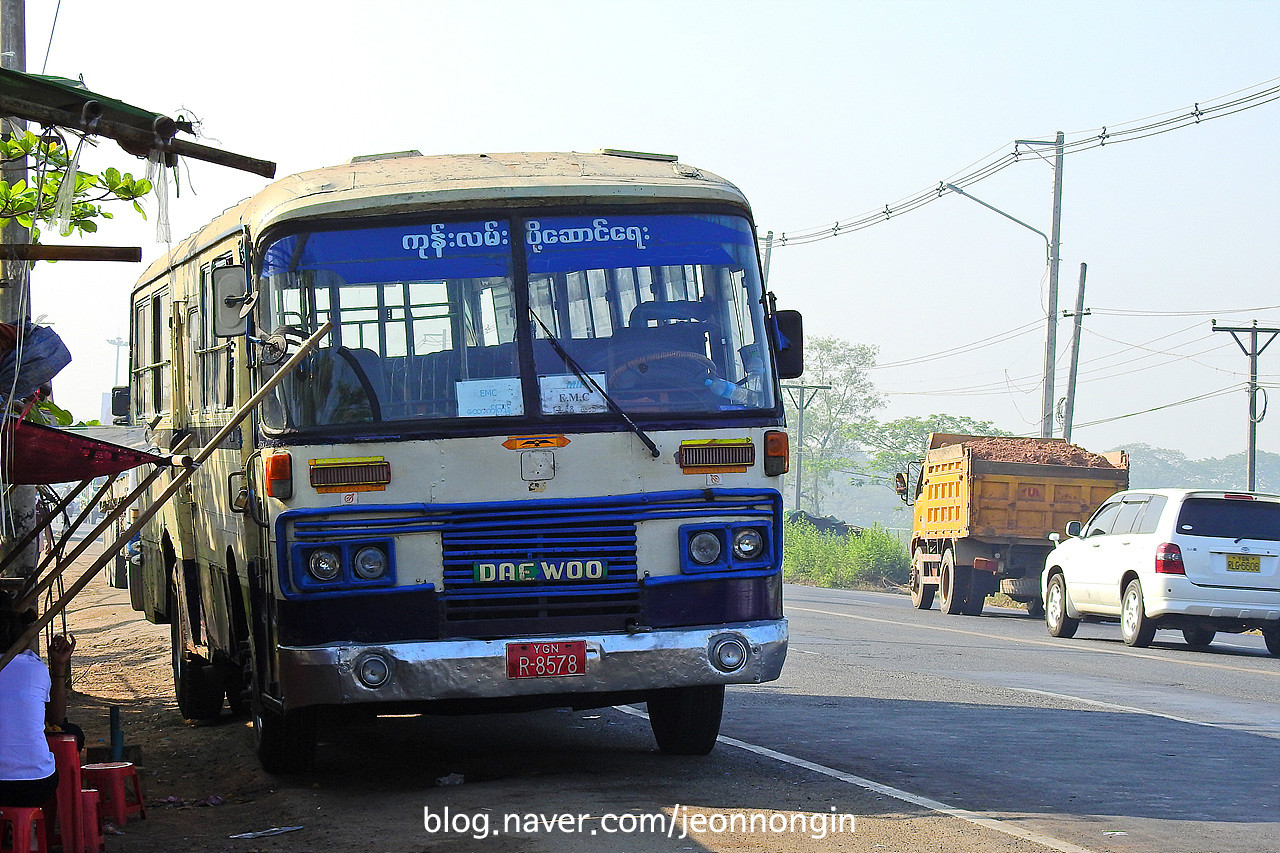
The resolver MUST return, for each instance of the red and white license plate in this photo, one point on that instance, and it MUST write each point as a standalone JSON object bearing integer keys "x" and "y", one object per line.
{"x": 542, "y": 660}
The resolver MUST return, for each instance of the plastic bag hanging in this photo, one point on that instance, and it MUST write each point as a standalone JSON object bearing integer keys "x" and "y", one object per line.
{"x": 159, "y": 177}
{"x": 63, "y": 205}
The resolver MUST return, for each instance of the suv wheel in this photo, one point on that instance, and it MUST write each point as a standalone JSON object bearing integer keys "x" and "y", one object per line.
{"x": 1137, "y": 629}
{"x": 1055, "y": 609}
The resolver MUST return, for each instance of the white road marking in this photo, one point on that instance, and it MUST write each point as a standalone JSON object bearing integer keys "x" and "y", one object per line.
{"x": 897, "y": 793}
{"x": 1058, "y": 644}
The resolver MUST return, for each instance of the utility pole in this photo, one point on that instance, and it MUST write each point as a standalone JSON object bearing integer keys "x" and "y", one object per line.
{"x": 1079, "y": 314}
{"x": 801, "y": 404}
{"x": 1252, "y": 352}
{"x": 1053, "y": 243}
{"x": 15, "y": 301}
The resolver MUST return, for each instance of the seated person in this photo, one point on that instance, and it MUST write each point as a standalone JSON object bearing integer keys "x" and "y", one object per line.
{"x": 30, "y": 697}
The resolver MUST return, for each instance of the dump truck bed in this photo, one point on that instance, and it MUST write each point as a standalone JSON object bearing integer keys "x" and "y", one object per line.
{"x": 966, "y": 493}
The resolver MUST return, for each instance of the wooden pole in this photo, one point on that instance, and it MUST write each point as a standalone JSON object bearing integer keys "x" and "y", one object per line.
{"x": 40, "y": 525}
{"x": 243, "y": 412}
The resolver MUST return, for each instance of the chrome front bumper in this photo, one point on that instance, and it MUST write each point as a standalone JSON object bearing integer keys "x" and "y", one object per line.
{"x": 477, "y": 669}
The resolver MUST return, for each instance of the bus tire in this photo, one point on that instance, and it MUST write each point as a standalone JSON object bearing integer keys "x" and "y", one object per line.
{"x": 686, "y": 720}
{"x": 196, "y": 686}
{"x": 285, "y": 743}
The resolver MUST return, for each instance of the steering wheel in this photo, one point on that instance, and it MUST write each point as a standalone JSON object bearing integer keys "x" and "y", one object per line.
{"x": 674, "y": 371}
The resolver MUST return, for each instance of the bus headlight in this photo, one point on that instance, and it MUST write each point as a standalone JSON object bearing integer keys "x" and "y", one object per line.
{"x": 324, "y": 564}
{"x": 370, "y": 563}
{"x": 704, "y": 547}
{"x": 748, "y": 544}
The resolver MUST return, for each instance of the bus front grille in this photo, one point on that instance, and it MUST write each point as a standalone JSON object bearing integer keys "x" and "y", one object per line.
{"x": 559, "y": 572}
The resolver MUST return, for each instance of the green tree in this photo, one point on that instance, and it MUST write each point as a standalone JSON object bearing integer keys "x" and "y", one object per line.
{"x": 852, "y": 396}
{"x": 890, "y": 446}
{"x": 33, "y": 202}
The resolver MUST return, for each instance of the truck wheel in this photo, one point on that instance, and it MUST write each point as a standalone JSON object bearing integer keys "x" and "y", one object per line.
{"x": 285, "y": 743}
{"x": 1137, "y": 630}
{"x": 686, "y": 720}
{"x": 954, "y": 583}
{"x": 1055, "y": 609}
{"x": 921, "y": 592}
{"x": 195, "y": 685}
{"x": 975, "y": 600}
{"x": 1035, "y": 608}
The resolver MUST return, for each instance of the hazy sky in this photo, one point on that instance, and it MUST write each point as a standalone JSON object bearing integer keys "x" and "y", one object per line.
{"x": 819, "y": 111}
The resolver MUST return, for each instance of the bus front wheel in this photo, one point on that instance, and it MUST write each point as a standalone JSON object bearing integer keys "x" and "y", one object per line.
{"x": 285, "y": 743}
{"x": 686, "y": 720}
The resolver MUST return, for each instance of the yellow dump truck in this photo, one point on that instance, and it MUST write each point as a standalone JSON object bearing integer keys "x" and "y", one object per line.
{"x": 984, "y": 507}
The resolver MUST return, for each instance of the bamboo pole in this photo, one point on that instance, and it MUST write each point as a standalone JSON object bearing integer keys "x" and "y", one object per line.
{"x": 30, "y": 597}
{"x": 35, "y": 531}
{"x": 243, "y": 412}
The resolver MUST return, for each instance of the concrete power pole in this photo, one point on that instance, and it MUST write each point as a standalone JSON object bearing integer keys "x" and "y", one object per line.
{"x": 801, "y": 403}
{"x": 1252, "y": 352}
{"x": 1051, "y": 333}
{"x": 1078, "y": 316}
{"x": 15, "y": 302}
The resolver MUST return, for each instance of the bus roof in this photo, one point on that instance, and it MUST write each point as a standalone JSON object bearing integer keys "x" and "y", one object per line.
{"x": 409, "y": 182}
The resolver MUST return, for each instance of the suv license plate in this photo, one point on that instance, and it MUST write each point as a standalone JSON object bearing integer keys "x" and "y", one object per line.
{"x": 543, "y": 660}
{"x": 1244, "y": 563}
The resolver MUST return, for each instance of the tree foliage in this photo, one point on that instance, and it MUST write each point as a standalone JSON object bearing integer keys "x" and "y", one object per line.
{"x": 891, "y": 445}
{"x": 852, "y": 396}
{"x": 35, "y": 201}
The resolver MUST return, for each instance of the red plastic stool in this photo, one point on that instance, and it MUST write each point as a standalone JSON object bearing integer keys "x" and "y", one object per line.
{"x": 27, "y": 825}
{"x": 92, "y": 828}
{"x": 117, "y": 800}
{"x": 65, "y": 820}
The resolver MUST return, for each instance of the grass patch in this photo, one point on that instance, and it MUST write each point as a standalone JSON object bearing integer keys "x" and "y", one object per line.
{"x": 875, "y": 559}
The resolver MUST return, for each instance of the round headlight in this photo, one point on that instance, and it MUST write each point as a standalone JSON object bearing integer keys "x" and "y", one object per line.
{"x": 325, "y": 564}
{"x": 748, "y": 543}
{"x": 373, "y": 671}
{"x": 370, "y": 563}
{"x": 704, "y": 547}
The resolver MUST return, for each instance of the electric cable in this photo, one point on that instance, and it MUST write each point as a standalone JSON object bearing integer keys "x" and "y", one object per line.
{"x": 1200, "y": 112}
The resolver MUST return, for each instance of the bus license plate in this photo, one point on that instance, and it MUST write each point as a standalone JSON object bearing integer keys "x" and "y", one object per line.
{"x": 541, "y": 660}
{"x": 1244, "y": 563}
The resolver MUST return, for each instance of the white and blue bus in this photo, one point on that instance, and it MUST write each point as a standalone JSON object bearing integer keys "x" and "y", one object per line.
{"x": 535, "y": 463}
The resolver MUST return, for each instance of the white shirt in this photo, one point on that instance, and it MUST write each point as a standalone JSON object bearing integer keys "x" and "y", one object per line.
{"x": 24, "y": 690}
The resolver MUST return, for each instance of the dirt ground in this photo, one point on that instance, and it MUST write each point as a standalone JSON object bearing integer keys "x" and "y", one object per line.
{"x": 376, "y": 784}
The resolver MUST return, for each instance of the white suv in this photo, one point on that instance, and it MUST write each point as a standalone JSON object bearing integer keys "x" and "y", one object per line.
{"x": 1199, "y": 560}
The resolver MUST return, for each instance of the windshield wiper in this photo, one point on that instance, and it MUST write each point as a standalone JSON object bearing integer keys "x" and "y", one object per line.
{"x": 589, "y": 380}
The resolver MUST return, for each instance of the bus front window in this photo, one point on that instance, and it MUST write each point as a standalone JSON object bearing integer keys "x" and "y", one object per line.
{"x": 662, "y": 311}
{"x": 424, "y": 324}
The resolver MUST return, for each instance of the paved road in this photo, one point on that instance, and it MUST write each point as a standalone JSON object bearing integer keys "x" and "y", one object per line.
{"x": 1084, "y": 740}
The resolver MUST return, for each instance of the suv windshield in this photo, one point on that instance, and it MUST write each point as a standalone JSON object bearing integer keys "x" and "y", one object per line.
{"x": 1230, "y": 519}
{"x": 663, "y": 312}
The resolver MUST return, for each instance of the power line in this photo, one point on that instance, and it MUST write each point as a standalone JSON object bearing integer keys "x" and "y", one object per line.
{"x": 1266, "y": 92}
{"x": 1206, "y": 396}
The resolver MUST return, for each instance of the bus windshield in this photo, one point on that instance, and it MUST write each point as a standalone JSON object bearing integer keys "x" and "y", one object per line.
{"x": 455, "y": 320}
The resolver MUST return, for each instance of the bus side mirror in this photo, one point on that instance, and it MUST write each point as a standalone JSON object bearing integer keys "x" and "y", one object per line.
{"x": 789, "y": 331}
{"x": 231, "y": 302}
{"x": 120, "y": 402}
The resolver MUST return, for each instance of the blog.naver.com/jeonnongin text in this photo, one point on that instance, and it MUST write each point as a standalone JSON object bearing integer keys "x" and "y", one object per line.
{"x": 680, "y": 822}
